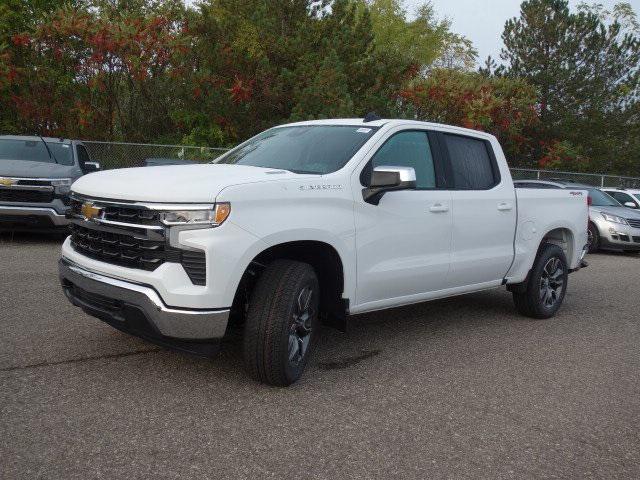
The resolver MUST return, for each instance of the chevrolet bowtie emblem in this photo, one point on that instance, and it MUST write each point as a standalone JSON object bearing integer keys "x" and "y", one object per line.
{"x": 89, "y": 211}
{"x": 7, "y": 182}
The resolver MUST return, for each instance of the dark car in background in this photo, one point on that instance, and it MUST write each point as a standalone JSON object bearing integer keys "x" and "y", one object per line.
{"x": 36, "y": 174}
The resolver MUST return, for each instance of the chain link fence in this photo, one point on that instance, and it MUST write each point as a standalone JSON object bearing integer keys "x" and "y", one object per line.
{"x": 596, "y": 180}
{"x": 120, "y": 155}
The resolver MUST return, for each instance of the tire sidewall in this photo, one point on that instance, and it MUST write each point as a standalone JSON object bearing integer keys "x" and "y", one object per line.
{"x": 549, "y": 251}
{"x": 595, "y": 244}
{"x": 293, "y": 373}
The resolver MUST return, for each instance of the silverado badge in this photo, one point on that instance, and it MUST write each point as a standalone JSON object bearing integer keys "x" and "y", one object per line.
{"x": 89, "y": 211}
{"x": 7, "y": 182}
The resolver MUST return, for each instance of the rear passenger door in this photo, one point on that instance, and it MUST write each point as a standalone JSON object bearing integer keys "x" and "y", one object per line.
{"x": 484, "y": 211}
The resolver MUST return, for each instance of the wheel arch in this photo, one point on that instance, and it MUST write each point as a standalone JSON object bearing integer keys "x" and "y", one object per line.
{"x": 323, "y": 257}
{"x": 563, "y": 237}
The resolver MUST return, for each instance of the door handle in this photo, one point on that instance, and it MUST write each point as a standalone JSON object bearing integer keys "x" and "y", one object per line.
{"x": 504, "y": 206}
{"x": 439, "y": 208}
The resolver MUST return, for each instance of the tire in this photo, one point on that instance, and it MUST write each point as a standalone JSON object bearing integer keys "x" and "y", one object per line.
{"x": 279, "y": 332}
{"x": 594, "y": 238}
{"x": 543, "y": 293}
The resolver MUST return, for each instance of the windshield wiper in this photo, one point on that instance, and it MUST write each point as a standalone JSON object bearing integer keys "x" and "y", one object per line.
{"x": 51, "y": 156}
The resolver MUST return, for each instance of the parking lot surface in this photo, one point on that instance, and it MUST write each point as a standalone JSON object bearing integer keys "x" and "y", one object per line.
{"x": 459, "y": 388}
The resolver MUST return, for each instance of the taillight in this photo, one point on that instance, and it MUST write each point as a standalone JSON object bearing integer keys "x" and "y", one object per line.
{"x": 589, "y": 200}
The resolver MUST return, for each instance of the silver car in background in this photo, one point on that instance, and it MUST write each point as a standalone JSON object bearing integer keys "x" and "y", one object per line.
{"x": 612, "y": 226}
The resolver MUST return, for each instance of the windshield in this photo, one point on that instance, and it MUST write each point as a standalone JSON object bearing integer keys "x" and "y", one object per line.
{"x": 601, "y": 199}
{"x": 317, "y": 149}
{"x": 35, "y": 151}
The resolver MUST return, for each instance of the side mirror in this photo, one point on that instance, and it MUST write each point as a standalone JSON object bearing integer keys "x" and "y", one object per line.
{"x": 630, "y": 205}
{"x": 90, "y": 167}
{"x": 387, "y": 179}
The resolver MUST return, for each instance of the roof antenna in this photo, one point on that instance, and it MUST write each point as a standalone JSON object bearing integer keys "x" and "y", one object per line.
{"x": 371, "y": 117}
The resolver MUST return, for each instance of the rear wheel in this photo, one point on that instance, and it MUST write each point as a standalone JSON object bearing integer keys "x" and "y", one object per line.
{"x": 282, "y": 323}
{"x": 543, "y": 293}
{"x": 593, "y": 239}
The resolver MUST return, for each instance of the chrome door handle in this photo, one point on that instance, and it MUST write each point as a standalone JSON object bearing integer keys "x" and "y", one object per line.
{"x": 504, "y": 206}
{"x": 439, "y": 208}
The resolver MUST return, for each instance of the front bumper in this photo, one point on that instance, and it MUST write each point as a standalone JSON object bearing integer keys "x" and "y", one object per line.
{"x": 28, "y": 216}
{"x": 619, "y": 237}
{"x": 138, "y": 309}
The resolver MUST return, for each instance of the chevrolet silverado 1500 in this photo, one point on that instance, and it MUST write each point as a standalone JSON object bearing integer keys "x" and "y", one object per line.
{"x": 36, "y": 174}
{"x": 307, "y": 223}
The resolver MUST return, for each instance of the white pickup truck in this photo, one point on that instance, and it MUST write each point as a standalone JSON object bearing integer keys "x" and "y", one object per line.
{"x": 310, "y": 222}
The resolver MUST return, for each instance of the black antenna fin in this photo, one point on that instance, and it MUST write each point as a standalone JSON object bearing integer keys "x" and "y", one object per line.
{"x": 371, "y": 117}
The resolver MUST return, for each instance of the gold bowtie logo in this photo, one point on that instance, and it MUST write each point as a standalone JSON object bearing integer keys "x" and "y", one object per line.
{"x": 89, "y": 211}
{"x": 7, "y": 182}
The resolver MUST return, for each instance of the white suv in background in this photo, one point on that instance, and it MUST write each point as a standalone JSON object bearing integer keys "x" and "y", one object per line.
{"x": 625, "y": 197}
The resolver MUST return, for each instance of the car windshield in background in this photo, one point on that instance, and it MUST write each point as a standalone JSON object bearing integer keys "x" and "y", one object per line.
{"x": 317, "y": 149}
{"x": 601, "y": 199}
{"x": 35, "y": 151}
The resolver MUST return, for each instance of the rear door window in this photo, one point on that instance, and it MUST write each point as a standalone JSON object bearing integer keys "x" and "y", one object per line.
{"x": 472, "y": 165}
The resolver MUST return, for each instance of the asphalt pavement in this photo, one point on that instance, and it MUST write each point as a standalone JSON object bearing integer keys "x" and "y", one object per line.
{"x": 458, "y": 388}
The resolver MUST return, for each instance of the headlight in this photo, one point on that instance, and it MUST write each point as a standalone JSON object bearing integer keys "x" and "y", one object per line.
{"x": 213, "y": 216}
{"x": 62, "y": 185}
{"x": 614, "y": 219}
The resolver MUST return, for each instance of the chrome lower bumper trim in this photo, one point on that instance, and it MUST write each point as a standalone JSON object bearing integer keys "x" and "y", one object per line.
{"x": 57, "y": 219}
{"x": 178, "y": 323}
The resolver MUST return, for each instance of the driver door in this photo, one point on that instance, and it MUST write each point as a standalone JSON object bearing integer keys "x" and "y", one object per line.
{"x": 403, "y": 244}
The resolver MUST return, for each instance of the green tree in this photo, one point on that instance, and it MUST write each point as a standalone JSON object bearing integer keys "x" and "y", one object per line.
{"x": 423, "y": 41}
{"x": 588, "y": 79}
{"x": 502, "y": 106}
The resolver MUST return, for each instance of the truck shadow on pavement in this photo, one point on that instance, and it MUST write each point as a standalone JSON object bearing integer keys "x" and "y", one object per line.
{"x": 369, "y": 335}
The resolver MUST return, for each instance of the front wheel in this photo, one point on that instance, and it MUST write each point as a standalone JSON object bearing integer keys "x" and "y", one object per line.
{"x": 282, "y": 323}
{"x": 544, "y": 291}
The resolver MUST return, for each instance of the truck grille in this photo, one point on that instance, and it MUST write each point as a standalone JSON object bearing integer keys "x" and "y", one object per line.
{"x": 122, "y": 213}
{"x": 25, "y": 196}
{"x": 634, "y": 222}
{"x": 132, "y": 237}
{"x": 125, "y": 250}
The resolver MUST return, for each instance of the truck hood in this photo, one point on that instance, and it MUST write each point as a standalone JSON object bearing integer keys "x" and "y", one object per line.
{"x": 29, "y": 169}
{"x": 174, "y": 183}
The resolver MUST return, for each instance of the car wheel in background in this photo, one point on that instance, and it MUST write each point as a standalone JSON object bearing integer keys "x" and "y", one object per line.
{"x": 543, "y": 293}
{"x": 593, "y": 240}
{"x": 282, "y": 323}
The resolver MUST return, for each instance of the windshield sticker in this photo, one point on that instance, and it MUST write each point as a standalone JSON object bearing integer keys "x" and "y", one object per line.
{"x": 363, "y": 130}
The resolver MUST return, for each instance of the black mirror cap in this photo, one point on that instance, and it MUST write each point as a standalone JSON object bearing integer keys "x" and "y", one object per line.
{"x": 382, "y": 179}
{"x": 90, "y": 167}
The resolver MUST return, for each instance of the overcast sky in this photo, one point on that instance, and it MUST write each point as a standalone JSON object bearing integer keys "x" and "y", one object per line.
{"x": 482, "y": 21}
